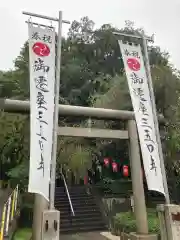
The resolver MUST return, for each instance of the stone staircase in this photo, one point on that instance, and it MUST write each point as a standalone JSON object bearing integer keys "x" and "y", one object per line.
{"x": 87, "y": 214}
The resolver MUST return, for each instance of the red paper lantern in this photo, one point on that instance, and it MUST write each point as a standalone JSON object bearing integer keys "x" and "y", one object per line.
{"x": 114, "y": 167}
{"x": 125, "y": 171}
{"x": 106, "y": 162}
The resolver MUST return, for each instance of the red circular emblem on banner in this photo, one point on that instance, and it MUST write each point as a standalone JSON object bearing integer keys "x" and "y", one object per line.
{"x": 41, "y": 49}
{"x": 133, "y": 64}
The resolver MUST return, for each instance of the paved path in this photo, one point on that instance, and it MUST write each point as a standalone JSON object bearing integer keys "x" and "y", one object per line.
{"x": 89, "y": 236}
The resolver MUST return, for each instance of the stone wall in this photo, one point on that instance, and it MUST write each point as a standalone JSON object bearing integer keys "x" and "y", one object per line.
{"x": 113, "y": 205}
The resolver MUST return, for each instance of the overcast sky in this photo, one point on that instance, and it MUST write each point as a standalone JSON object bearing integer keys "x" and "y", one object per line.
{"x": 160, "y": 17}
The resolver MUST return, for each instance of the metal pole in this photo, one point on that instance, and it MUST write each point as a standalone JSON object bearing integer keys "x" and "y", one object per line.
{"x": 56, "y": 109}
{"x": 137, "y": 181}
{"x": 149, "y": 79}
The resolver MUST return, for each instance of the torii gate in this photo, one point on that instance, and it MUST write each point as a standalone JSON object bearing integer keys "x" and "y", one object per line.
{"x": 130, "y": 134}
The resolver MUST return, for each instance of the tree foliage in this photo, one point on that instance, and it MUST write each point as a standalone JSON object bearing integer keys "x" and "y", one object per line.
{"x": 92, "y": 74}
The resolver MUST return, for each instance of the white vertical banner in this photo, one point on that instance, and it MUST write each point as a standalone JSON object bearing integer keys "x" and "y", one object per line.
{"x": 42, "y": 79}
{"x": 140, "y": 97}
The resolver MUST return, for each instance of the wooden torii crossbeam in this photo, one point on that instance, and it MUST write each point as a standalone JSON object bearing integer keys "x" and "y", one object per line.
{"x": 18, "y": 106}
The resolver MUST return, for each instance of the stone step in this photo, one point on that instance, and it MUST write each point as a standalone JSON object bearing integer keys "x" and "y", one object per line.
{"x": 87, "y": 214}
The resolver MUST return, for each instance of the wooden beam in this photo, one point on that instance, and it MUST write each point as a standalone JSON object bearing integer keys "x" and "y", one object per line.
{"x": 92, "y": 133}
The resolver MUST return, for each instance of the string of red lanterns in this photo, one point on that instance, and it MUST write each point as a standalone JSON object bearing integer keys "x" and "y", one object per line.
{"x": 125, "y": 168}
{"x": 114, "y": 165}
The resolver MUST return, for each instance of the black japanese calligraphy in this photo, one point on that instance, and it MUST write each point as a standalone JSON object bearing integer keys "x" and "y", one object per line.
{"x": 150, "y": 147}
{"x": 40, "y": 134}
{"x": 47, "y": 38}
{"x": 147, "y": 136}
{"x": 41, "y": 103}
{"x": 41, "y": 84}
{"x": 138, "y": 92}
{"x": 153, "y": 165}
{"x": 40, "y": 118}
{"x": 42, "y": 87}
{"x": 136, "y": 79}
{"x": 145, "y": 122}
{"x": 41, "y": 164}
{"x": 131, "y": 53}
{"x": 36, "y": 36}
{"x": 41, "y": 146}
{"x": 40, "y": 66}
{"x": 143, "y": 108}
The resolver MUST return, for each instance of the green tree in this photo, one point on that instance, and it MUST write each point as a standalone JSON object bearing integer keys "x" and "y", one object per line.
{"x": 92, "y": 74}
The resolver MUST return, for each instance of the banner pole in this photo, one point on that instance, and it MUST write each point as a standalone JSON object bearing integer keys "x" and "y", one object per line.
{"x": 56, "y": 103}
{"x": 151, "y": 91}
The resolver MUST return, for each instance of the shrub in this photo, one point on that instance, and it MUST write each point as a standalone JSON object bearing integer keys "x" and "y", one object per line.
{"x": 23, "y": 234}
{"x": 109, "y": 186}
{"x": 125, "y": 222}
